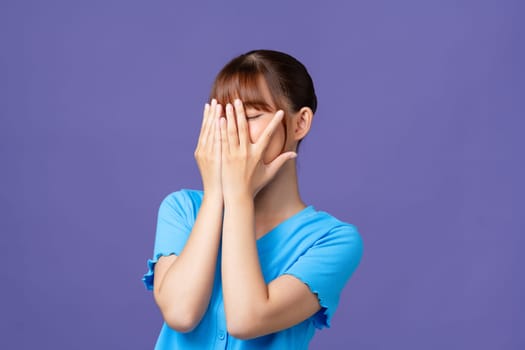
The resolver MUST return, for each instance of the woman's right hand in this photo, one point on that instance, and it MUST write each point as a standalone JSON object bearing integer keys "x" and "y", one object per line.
{"x": 208, "y": 151}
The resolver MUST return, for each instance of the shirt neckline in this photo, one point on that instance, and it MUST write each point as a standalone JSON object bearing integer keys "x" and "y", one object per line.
{"x": 264, "y": 242}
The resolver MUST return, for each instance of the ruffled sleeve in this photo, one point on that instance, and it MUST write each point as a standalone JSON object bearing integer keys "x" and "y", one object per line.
{"x": 173, "y": 230}
{"x": 327, "y": 266}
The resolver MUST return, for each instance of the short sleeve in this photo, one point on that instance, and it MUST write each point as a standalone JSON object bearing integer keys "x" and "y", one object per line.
{"x": 327, "y": 266}
{"x": 173, "y": 229}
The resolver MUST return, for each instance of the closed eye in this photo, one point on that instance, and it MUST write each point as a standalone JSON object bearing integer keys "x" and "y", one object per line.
{"x": 253, "y": 117}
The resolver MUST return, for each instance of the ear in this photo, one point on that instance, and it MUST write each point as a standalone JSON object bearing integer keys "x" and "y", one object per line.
{"x": 301, "y": 123}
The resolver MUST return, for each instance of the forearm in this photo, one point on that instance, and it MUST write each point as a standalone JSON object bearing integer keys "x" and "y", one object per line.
{"x": 184, "y": 292}
{"x": 252, "y": 307}
{"x": 245, "y": 291}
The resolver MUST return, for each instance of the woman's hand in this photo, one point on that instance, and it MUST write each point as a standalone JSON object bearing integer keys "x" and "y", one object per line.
{"x": 208, "y": 151}
{"x": 243, "y": 170}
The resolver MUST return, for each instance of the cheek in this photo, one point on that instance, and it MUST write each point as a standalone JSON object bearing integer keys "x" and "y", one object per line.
{"x": 276, "y": 144}
{"x": 255, "y": 130}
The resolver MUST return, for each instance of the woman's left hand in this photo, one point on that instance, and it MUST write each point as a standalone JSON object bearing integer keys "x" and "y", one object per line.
{"x": 243, "y": 169}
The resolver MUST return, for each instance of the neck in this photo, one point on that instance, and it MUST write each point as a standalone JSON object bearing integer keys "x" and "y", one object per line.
{"x": 280, "y": 198}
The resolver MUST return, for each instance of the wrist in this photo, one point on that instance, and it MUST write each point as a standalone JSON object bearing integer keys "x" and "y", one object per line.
{"x": 237, "y": 197}
{"x": 212, "y": 196}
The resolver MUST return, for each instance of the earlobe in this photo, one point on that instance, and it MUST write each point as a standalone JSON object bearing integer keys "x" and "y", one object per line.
{"x": 302, "y": 123}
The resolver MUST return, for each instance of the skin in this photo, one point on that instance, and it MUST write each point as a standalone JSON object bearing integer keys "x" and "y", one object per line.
{"x": 247, "y": 174}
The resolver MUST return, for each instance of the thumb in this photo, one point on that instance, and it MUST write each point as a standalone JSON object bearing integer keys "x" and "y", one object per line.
{"x": 277, "y": 163}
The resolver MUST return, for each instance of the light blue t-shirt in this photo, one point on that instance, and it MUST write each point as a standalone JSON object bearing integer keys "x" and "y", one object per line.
{"x": 311, "y": 245}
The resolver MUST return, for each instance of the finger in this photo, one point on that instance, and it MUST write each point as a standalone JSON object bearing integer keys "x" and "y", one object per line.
{"x": 204, "y": 118}
{"x": 242, "y": 124}
{"x": 233, "y": 137}
{"x": 273, "y": 167}
{"x": 213, "y": 120}
{"x": 266, "y": 136}
{"x": 217, "y": 138}
{"x": 215, "y": 110}
{"x": 206, "y": 122}
{"x": 224, "y": 137}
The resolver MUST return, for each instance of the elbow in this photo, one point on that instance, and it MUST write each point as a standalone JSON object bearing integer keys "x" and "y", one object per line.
{"x": 181, "y": 321}
{"x": 243, "y": 328}
{"x": 177, "y": 317}
{"x": 241, "y": 332}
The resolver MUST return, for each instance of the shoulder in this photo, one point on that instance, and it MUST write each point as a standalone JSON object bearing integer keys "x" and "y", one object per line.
{"x": 183, "y": 195}
{"x": 337, "y": 232}
{"x": 182, "y": 201}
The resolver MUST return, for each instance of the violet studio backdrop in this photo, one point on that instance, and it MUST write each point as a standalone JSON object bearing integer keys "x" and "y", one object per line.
{"x": 418, "y": 141}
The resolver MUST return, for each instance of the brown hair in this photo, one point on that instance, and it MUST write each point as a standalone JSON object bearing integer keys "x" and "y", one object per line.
{"x": 291, "y": 86}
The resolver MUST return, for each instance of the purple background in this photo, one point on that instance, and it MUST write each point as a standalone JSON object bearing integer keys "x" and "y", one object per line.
{"x": 418, "y": 141}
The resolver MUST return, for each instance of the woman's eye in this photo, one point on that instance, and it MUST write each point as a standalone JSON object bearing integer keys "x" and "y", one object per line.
{"x": 253, "y": 116}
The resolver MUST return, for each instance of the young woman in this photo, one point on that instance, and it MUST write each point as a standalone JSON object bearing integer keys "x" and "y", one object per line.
{"x": 245, "y": 263}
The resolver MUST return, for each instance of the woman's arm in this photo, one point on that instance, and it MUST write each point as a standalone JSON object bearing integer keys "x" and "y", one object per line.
{"x": 252, "y": 307}
{"x": 183, "y": 284}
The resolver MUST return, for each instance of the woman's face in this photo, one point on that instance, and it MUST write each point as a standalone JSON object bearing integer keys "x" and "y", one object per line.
{"x": 258, "y": 120}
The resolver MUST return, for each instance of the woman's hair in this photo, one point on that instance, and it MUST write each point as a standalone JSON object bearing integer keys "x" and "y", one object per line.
{"x": 287, "y": 79}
